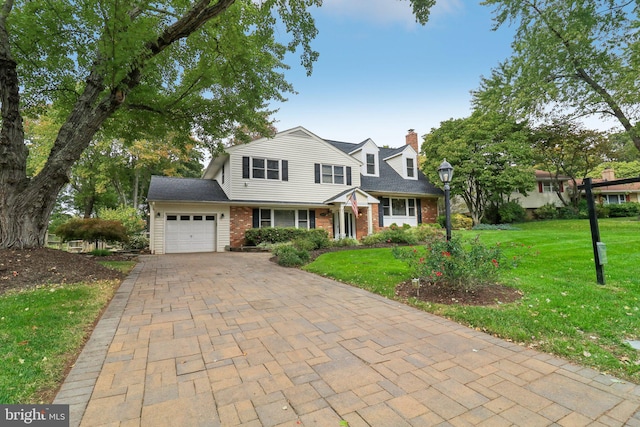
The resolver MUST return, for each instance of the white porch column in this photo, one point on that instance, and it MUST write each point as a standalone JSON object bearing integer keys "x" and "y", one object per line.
{"x": 341, "y": 223}
{"x": 369, "y": 219}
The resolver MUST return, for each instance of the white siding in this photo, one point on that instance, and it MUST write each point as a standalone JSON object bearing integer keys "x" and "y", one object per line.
{"x": 226, "y": 184}
{"x": 301, "y": 154}
{"x": 369, "y": 148}
{"x": 535, "y": 199}
{"x": 157, "y": 243}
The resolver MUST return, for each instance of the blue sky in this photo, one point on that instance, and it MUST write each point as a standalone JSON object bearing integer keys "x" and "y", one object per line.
{"x": 380, "y": 73}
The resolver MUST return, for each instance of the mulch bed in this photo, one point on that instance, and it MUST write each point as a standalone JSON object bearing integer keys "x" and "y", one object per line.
{"x": 26, "y": 268}
{"x": 441, "y": 294}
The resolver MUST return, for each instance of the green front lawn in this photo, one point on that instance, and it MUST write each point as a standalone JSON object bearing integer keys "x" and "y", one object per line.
{"x": 563, "y": 311}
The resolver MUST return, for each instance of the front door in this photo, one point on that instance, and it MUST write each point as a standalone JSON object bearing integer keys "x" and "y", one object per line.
{"x": 349, "y": 225}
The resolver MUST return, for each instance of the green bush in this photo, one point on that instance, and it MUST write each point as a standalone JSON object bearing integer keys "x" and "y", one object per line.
{"x": 92, "y": 229}
{"x": 624, "y": 210}
{"x": 290, "y": 256}
{"x": 511, "y": 212}
{"x": 304, "y": 244}
{"x": 129, "y": 217}
{"x": 547, "y": 211}
{"x": 100, "y": 252}
{"x": 603, "y": 211}
{"x": 319, "y": 237}
{"x": 255, "y": 236}
{"x": 346, "y": 242}
{"x": 458, "y": 222}
{"x": 450, "y": 264}
{"x": 424, "y": 233}
{"x": 373, "y": 239}
{"x": 137, "y": 241}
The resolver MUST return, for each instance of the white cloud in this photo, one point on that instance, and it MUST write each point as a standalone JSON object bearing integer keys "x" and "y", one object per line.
{"x": 386, "y": 11}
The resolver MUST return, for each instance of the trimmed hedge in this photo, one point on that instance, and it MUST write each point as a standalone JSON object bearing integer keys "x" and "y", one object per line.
{"x": 256, "y": 236}
{"x": 92, "y": 229}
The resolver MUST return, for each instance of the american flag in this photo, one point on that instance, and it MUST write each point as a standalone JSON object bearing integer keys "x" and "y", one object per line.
{"x": 354, "y": 202}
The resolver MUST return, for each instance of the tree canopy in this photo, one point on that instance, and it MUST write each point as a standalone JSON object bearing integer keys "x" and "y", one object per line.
{"x": 567, "y": 149}
{"x": 136, "y": 70}
{"x": 490, "y": 154}
{"x": 570, "y": 59}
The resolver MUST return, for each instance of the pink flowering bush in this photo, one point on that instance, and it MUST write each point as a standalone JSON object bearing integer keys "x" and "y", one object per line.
{"x": 461, "y": 266}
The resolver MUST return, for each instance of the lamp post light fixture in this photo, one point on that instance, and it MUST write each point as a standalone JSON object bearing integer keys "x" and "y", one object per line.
{"x": 446, "y": 173}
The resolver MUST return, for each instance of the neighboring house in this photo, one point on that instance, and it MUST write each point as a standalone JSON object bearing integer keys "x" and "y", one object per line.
{"x": 614, "y": 194}
{"x": 545, "y": 191}
{"x": 294, "y": 179}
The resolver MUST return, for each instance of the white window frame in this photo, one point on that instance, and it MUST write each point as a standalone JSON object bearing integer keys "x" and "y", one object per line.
{"x": 621, "y": 199}
{"x": 266, "y": 169}
{"x": 411, "y": 171}
{"x": 268, "y": 217}
{"x": 334, "y": 169}
{"x": 409, "y": 203}
{"x": 549, "y": 187}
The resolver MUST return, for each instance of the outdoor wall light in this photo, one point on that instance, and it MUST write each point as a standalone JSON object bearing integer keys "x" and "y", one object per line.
{"x": 445, "y": 171}
{"x": 158, "y": 214}
{"x": 221, "y": 216}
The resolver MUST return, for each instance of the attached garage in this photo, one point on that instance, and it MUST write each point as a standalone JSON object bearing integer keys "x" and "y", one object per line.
{"x": 187, "y": 215}
{"x": 186, "y": 233}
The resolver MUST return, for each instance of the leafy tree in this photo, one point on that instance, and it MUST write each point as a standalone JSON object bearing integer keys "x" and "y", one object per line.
{"x": 491, "y": 157}
{"x": 92, "y": 229}
{"x": 580, "y": 57}
{"x": 568, "y": 149}
{"x": 621, "y": 169}
{"x": 623, "y": 149}
{"x": 133, "y": 69}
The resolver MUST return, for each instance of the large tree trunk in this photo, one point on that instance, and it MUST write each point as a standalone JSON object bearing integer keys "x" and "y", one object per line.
{"x": 26, "y": 204}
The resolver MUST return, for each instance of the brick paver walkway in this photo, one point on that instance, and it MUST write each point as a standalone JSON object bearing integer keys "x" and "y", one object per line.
{"x": 233, "y": 339}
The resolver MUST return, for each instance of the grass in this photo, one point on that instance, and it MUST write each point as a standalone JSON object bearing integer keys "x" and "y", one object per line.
{"x": 41, "y": 333}
{"x": 563, "y": 311}
{"x": 123, "y": 266}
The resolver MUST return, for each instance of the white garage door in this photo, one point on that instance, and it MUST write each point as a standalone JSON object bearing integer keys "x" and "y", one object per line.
{"x": 190, "y": 233}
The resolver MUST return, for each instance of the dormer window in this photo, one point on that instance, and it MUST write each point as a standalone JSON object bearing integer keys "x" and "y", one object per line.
{"x": 371, "y": 164}
{"x": 411, "y": 170}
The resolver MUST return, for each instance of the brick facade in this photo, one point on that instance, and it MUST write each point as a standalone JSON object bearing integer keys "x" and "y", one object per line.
{"x": 429, "y": 210}
{"x": 241, "y": 220}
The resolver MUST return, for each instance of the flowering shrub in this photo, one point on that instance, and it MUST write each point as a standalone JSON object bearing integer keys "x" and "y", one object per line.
{"x": 449, "y": 263}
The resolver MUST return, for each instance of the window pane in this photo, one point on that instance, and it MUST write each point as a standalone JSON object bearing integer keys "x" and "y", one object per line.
{"x": 327, "y": 174}
{"x": 284, "y": 218}
{"x": 258, "y": 168}
{"x": 265, "y": 218}
{"x": 303, "y": 221}
{"x": 412, "y": 207}
{"x": 399, "y": 207}
{"x": 410, "y": 167}
{"x": 197, "y": 217}
{"x": 273, "y": 169}
{"x": 386, "y": 209}
{"x": 371, "y": 164}
{"x": 171, "y": 217}
{"x": 338, "y": 175}
{"x": 185, "y": 217}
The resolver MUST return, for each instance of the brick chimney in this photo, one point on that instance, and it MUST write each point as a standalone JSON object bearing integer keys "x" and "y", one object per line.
{"x": 412, "y": 140}
{"x": 608, "y": 174}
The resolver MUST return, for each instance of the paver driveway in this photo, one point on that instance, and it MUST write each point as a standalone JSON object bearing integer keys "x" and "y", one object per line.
{"x": 232, "y": 339}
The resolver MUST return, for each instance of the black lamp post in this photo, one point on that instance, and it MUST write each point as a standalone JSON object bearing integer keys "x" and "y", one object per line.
{"x": 446, "y": 173}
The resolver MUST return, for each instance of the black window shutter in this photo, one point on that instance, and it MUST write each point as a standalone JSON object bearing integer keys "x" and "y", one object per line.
{"x": 317, "y": 172}
{"x": 285, "y": 170}
{"x": 381, "y": 213}
{"x": 245, "y": 167}
{"x": 256, "y": 218}
{"x": 419, "y": 210}
{"x": 348, "y": 175}
{"x": 312, "y": 219}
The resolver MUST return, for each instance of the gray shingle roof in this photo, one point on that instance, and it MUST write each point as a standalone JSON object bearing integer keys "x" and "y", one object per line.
{"x": 389, "y": 180}
{"x": 185, "y": 190}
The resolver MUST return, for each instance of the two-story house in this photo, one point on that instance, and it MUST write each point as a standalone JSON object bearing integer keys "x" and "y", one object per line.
{"x": 295, "y": 179}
